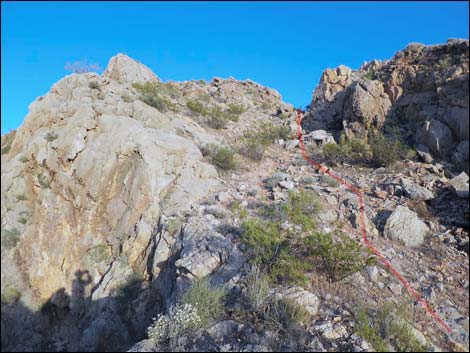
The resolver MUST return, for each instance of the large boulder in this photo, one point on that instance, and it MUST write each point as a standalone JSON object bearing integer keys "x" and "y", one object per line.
{"x": 405, "y": 226}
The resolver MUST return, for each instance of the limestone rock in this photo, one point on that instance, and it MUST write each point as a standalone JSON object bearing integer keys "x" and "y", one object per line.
{"x": 405, "y": 226}
{"x": 123, "y": 69}
{"x": 305, "y": 299}
{"x": 459, "y": 185}
{"x": 415, "y": 191}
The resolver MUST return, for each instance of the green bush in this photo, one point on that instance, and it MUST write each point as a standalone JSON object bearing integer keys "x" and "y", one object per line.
{"x": 284, "y": 315}
{"x": 252, "y": 149}
{"x": 387, "y": 324}
{"x": 341, "y": 256}
{"x": 10, "y": 295}
{"x": 207, "y": 299}
{"x": 254, "y": 143}
{"x": 9, "y": 238}
{"x": 301, "y": 207}
{"x": 154, "y": 94}
{"x": 234, "y": 111}
{"x": 23, "y": 220}
{"x": 224, "y": 158}
{"x": 217, "y": 118}
{"x": 324, "y": 178}
{"x": 270, "y": 249}
{"x": 196, "y": 107}
{"x": 24, "y": 159}
{"x": 386, "y": 151}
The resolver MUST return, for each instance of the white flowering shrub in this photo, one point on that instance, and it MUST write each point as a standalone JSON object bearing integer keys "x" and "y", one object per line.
{"x": 180, "y": 319}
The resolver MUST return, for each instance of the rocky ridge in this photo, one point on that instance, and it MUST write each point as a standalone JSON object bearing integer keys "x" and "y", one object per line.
{"x": 111, "y": 209}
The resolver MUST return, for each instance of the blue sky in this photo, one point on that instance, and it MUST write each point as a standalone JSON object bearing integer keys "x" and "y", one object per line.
{"x": 283, "y": 45}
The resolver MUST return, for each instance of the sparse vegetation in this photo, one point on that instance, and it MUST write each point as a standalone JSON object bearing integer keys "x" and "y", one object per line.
{"x": 207, "y": 299}
{"x": 21, "y": 197}
{"x": 234, "y": 111}
{"x": 7, "y": 141}
{"x": 301, "y": 207}
{"x": 127, "y": 98}
{"x": 222, "y": 157}
{"x": 386, "y": 151}
{"x": 256, "y": 290}
{"x": 51, "y": 136}
{"x": 99, "y": 253}
{"x": 196, "y": 107}
{"x": 23, "y": 220}
{"x": 324, "y": 178}
{"x": 10, "y": 295}
{"x": 217, "y": 118}
{"x": 284, "y": 315}
{"x": 129, "y": 290}
{"x": 155, "y": 94}
{"x": 370, "y": 75}
{"x": 94, "y": 85}
{"x": 340, "y": 255}
{"x": 9, "y": 238}
{"x": 385, "y": 325}
{"x": 254, "y": 143}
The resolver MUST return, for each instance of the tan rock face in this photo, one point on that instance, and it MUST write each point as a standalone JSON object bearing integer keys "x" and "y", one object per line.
{"x": 93, "y": 176}
{"x": 422, "y": 89}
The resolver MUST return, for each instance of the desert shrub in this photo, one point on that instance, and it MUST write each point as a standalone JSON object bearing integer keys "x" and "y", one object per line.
{"x": 254, "y": 143}
{"x": 127, "y": 98}
{"x": 217, "y": 118}
{"x": 387, "y": 324}
{"x": 271, "y": 250}
{"x": 256, "y": 289}
{"x": 180, "y": 320}
{"x": 301, "y": 207}
{"x": 23, "y": 220}
{"x": 386, "y": 151}
{"x": 222, "y": 157}
{"x": 263, "y": 240}
{"x": 284, "y": 315}
{"x": 234, "y": 111}
{"x": 10, "y": 295}
{"x": 94, "y": 85}
{"x": 347, "y": 150}
{"x": 341, "y": 256}
{"x": 196, "y": 107}
{"x": 207, "y": 299}
{"x": 154, "y": 94}
{"x": 370, "y": 331}
{"x": 7, "y": 141}
{"x": 324, "y": 178}
{"x": 369, "y": 75}
{"x": 99, "y": 253}
{"x": 24, "y": 159}
{"x": 266, "y": 106}
{"x": 21, "y": 197}
{"x": 9, "y": 238}
{"x": 252, "y": 148}
{"x": 269, "y": 133}
{"x": 51, "y": 136}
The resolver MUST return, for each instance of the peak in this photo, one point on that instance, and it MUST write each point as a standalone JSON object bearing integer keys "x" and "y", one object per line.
{"x": 124, "y": 69}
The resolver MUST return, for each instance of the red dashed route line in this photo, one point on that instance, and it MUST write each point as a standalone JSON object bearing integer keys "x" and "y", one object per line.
{"x": 358, "y": 192}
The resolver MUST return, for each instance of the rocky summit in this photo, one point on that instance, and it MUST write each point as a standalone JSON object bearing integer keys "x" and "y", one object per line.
{"x": 142, "y": 215}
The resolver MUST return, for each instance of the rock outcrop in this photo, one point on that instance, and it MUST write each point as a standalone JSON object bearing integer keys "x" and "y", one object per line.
{"x": 421, "y": 93}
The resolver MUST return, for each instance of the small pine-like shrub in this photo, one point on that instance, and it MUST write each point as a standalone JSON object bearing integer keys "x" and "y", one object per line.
{"x": 301, "y": 207}
{"x": 341, "y": 256}
{"x": 386, "y": 151}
